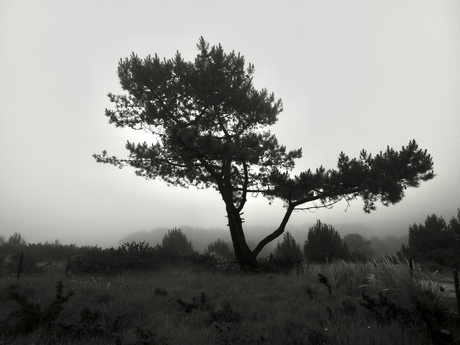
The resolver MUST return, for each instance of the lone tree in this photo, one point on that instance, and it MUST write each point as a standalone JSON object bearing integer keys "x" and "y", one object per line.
{"x": 209, "y": 129}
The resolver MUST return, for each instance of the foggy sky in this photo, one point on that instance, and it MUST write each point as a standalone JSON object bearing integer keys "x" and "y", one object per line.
{"x": 351, "y": 74}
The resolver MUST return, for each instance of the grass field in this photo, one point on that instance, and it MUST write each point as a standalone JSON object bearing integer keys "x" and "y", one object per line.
{"x": 340, "y": 303}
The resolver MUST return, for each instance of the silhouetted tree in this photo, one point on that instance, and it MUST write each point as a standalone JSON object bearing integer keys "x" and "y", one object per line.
{"x": 221, "y": 248}
{"x": 209, "y": 129}
{"x": 324, "y": 244}
{"x": 16, "y": 240}
{"x": 435, "y": 240}
{"x": 175, "y": 241}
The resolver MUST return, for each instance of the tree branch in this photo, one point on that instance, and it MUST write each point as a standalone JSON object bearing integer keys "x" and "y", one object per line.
{"x": 275, "y": 233}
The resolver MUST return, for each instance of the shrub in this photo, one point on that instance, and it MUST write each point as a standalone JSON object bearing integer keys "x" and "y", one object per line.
{"x": 129, "y": 257}
{"x": 287, "y": 253}
{"x": 175, "y": 241}
{"x": 436, "y": 240}
{"x": 221, "y": 248}
{"x": 324, "y": 244}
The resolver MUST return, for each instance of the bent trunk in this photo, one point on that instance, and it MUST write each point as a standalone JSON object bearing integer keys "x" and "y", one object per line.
{"x": 247, "y": 258}
{"x": 278, "y": 232}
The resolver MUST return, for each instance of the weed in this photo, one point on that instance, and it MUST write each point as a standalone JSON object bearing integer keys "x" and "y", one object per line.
{"x": 194, "y": 305}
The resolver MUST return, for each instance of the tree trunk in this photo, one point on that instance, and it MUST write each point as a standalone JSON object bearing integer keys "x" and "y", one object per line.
{"x": 243, "y": 254}
{"x": 247, "y": 258}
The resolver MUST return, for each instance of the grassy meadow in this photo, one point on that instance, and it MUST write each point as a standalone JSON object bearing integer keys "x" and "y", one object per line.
{"x": 340, "y": 303}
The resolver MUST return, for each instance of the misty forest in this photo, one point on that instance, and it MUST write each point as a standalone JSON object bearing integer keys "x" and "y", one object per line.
{"x": 209, "y": 128}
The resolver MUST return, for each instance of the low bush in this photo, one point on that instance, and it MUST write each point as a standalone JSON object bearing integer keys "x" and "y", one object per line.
{"x": 134, "y": 257}
{"x": 220, "y": 248}
{"x": 287, "y": 254}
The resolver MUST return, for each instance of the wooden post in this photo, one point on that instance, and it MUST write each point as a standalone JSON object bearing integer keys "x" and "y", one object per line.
{"x": 375, "y": 271}
{"x": 457, "y": 291}
{"x": 21, "y": 258}
{"x": 68, "y": 266}
{"x": 411, "y": 266}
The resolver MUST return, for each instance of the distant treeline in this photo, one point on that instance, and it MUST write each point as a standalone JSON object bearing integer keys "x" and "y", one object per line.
{"x": 201, "y": 238}
{"x": 436, "y": 241}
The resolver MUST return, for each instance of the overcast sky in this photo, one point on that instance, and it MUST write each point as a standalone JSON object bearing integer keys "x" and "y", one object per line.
{"x": 351, "y": 74}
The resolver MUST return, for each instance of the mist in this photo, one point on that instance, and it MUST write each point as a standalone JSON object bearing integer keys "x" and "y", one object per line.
{"x": 351, "y": 75}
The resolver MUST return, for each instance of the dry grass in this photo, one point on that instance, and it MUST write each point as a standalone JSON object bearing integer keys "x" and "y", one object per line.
{"x": 294, "y": 308}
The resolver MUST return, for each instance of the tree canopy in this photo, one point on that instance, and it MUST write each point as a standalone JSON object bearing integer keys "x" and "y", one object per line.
{"x": 209, "y": 130}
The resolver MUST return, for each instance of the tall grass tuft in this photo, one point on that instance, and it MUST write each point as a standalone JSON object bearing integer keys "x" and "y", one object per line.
{"x": 343, "y": 277}
{"x": 410, "y": 291}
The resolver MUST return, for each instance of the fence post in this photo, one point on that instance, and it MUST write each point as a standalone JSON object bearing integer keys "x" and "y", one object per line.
{"x": 21, "y": 258}
{"x": 68, "y": 266}
{"x": 411, "y": 266}
{"x": 457, "y": 291}
{"x": 375, "y": 270}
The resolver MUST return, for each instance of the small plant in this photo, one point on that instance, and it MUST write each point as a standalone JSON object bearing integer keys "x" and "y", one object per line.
{"x": 287, "y": 254}
{"x": 226, "y": 315}
{"x": 32, "y": 315}
{"x": 194, "y": 305}
{"x": 93, "y": 323}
